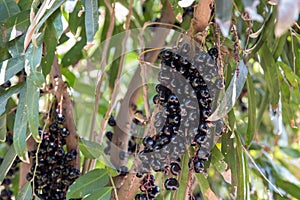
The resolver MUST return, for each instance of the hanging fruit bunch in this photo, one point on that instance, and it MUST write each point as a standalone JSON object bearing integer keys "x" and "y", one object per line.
{"x": 51, "y": 172}
{"x": 187, "y": 93}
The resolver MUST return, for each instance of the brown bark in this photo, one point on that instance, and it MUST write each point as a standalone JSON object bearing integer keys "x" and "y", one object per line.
{"x": 66, "y": 105}
{"x": 25, "y": 167}
{"x": 201, "y": 17}
{"x": 126, "y": 189}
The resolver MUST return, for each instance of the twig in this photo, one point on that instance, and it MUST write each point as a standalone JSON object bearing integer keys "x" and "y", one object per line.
{"x": 114, "y": 187}
{"x": 124, "y": 117}
{"x": 109, "y": 33}
{"x": 259, "y": 170}
{"x": 103, "y": 65}
{"x": 221, "y": 67}
{"x": 117, "y": 81}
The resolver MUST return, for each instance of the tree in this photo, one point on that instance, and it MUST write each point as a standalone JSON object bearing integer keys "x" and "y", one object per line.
{"x": 129, "y": 99}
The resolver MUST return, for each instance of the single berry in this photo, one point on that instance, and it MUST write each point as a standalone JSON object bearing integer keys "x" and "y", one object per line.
{"x": 175, "y": 168}
{"x": 109, "y": 135}
{"x": 112, "y": 121}
{"x": 198, "y": 166}
{"x": 60, "y": 118}
{"x": 171, "y": 184}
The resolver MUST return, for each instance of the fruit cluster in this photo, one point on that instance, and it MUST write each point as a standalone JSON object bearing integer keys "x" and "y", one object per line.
{"x": 6, "y": 193}
{"x": 51, "y": 172}
{"x": 189, "y": 84}
{"x": 148, "y": 187}
{"x": 133, "y": 146}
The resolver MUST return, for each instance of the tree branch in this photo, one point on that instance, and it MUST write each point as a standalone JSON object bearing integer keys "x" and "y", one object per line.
{"x": 201, "y": 17}
{"x": 128, "y": 187}
{"x": 61, "y": 93}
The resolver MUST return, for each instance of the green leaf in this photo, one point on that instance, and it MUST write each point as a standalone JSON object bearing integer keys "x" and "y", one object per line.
{"x": 91, "y": 150}
{"x": 203, "y": 183}
{"x": 217, "y": 160}
{"x": 20, "y": 127}
{"x": 88, "y": 183}
{"x": 14, "y": 26}
{"x": 49, "y": 13}
{"x": 289, "y": 187}
{"x": 91, "y": 19}
{"x": 294, "y": 153}
{"x": 15, "y": 47}
{"x": 223, "y": 15}
{"x": 271, "y": 74}
{"x": 3, "y": 129}
{"x": 75, "y": 20}
{"x": 280, "y": 42}
{"x": 75, "y": 53}
{"x": 242, "y": 168}
{"x": 8, "y": 8}
{"x": 251, "y": 111}
{"x": 70, "y": 76}
{"x": 183, "y": 178}
{"x": 33, "y": 59}
{"x": 11, "y": 67}
{"x": 101, "y": 194}
{"x": 26, "y": 192}
{"x": 32, "y": 103}
{"x": 7, "y": 94}
{"x": 54, "y": 25}
{"x": 7, "y": 162}
{"x": 228, "y": 99}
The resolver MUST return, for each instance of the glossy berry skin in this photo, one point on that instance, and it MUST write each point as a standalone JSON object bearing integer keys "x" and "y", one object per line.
{"x": 123, "y": 171}
{"x": 175, "y": 168}
{"x": 140, "y": 197}
{"x": 60, "y": 118}
{"x": 198, "y": 166}
{"x": 112, "y": 121}
{"x": 213, "y": 52}
{"x": 171, "y": 184}
{"x": 154, "y": 192}
{"x": 148, "y": 142}
{"x": 109, "y": 135}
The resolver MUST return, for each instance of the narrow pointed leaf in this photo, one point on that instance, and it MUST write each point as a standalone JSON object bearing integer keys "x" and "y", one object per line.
{"x": 20, "y": 127}
{"x": 91, "y": 150}
{"x": 91, "y": 19}
{"x": 14, "y": 26}
{"x": 32, "y": 102}
{"x": 217, "y": 160}
{"x": 26, "y": 192}
{"x": 33, "y": 58}
{"x": 7, "y": 94}
{"x": 3, "y": 128}
{"x": 7, "y": 162}
{"x": 232, "y": 93}
{"x": 183, "y": 178}
{"x": 88, "y": 183}
{"x": 8, "y": 8}
{"x": 11, "y": 67}
{"x": 251, "y": 111}
{"x": 203, "y": 183}
{"x": 242, "y": 178}
{"x": 271, "y": 74}
{"x": 101, "y": 194}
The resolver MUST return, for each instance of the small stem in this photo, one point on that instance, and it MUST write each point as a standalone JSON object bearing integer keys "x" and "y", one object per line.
{"x": 114, "y": 187}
